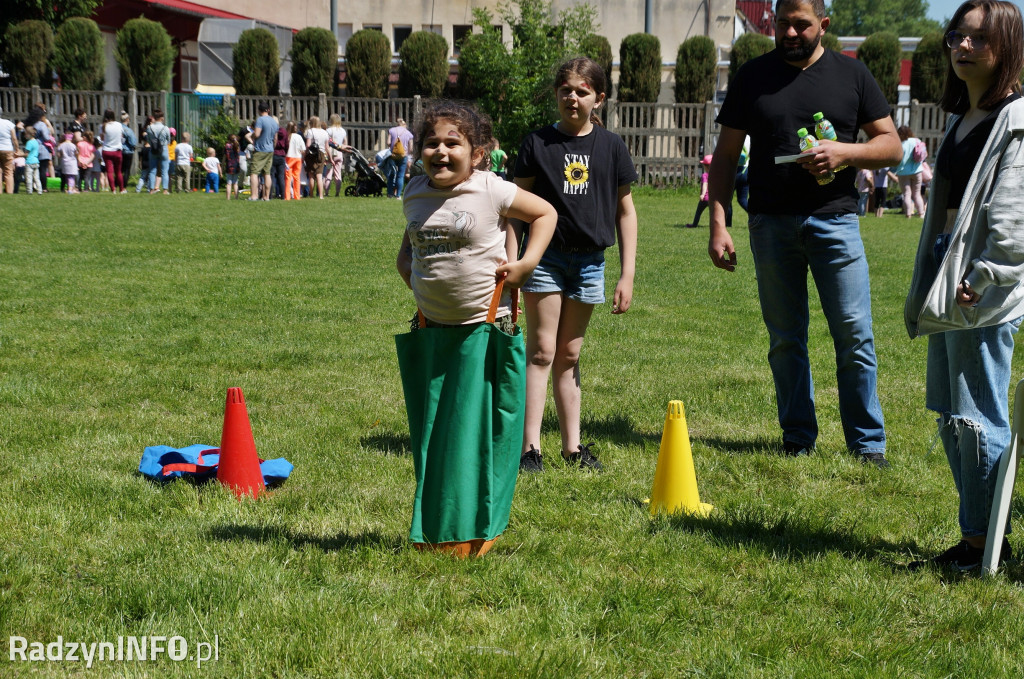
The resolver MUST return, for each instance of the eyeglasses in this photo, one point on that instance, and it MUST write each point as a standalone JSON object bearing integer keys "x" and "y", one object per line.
{"x": 955, "y": 38}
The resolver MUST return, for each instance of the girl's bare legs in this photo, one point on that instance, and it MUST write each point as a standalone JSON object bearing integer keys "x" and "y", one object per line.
{"x": 566, "y": 370}
{"x": 555, "y": 330}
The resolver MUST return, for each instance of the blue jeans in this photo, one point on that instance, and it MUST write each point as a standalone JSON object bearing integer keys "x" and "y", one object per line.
{"x": 395, "y": 173}
{"x": 161, "y": 161}
{"x": 578, "y": 276}
{"x": 862, "y": 203}
{"x": 968, "y": 382}
{"x": 784, "y": 247}
{"x": 212, "y": 182}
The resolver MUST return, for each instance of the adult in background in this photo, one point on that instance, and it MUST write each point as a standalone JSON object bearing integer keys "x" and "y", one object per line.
{"x": 966, "y": 293}
{"x": 129, "y": 143}
{"x": 144, "y": 154}
{"x": 398, "y": 165}
{"x": 296, "y": 149}
{"x": 45, "y": 135}
{"x": 279, "y": 168}
{"x": 113, "y": 133}
{"x": 158, "y": 136}
{"x": 908, "y": 172}
{"x": 8, "y": 149}
{"x": 77, "y": 126}
{"x": 243, "y": 155}
{"x": 337, "y": 147}
{"x": 316, "y": 155}
{"x": 264, "y": 131}
{"x": 797, "y": 224}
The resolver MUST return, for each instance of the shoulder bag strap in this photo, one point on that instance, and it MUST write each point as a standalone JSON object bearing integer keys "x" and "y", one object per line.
{"x": 492, "y": 311}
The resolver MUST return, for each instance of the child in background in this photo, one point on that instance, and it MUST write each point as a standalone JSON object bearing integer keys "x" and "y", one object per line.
{"x": 231, "y": 166}
{"x": 881, "y": 177}
{"x": 865, "y": 183}
{"x": 212, "y": 166}
{"x": 183, "y": 165}
{"x": 705, "y": 165}
{"x": 86, "y": 155}
{"x": 19, "y": 172}
{"x": 584, "y": 171}
{"x": 456, "y": 248}
{"x": 95, "y": 178}
{"x": 32, "y": 179}
{"x": 172, "y": 148}
{"x": 67, "y": 161}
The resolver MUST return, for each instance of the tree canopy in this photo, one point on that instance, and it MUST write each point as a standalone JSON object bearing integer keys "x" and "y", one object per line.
{"x": 866, "y": 17}
{"x": 514, "y": 84}
{"x": 53, "y": 13}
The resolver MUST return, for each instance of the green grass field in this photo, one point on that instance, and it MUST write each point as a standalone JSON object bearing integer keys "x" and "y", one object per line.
{"x": 124, "y": 319}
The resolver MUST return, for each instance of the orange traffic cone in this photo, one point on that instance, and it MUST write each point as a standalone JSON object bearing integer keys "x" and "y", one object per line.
{"x": 675, "y": 482}
{"x": 239, "y": 466}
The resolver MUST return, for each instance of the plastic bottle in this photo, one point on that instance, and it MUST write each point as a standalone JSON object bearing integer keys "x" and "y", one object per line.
{"x": 823, "y": 130}
{"x": 807, "y": 141}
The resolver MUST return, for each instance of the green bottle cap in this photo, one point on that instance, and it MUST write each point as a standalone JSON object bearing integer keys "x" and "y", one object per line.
{"x": 818, "y": 116}
{"x": 802, "y": 132}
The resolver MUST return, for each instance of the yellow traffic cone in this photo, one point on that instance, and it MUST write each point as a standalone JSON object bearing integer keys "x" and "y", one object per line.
{"x": 675, "y": 482}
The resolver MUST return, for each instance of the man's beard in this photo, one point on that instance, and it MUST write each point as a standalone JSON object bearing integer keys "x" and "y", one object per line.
{"x": 801, "y": 53}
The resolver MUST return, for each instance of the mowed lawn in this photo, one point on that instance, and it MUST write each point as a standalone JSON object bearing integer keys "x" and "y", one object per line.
{"x": 124, "y": 319}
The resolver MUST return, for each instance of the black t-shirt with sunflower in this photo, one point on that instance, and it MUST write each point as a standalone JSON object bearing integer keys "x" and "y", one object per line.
{"x": 580, "y": 177}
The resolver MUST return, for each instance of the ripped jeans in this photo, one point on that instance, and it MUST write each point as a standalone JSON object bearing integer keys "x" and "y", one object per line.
{"x": 968, "y": 384}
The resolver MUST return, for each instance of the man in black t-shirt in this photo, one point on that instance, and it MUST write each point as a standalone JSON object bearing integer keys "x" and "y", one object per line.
{"x": 797, "y": 224}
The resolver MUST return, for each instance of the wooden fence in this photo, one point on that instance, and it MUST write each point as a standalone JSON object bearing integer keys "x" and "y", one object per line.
{"x": 665, "y": 140}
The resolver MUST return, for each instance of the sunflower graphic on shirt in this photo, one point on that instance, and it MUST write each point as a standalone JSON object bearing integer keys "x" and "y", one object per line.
{"x": 577, "y": 174}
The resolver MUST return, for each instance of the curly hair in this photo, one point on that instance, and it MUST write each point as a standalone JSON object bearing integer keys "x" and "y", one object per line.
{"x": 474, "y": 125}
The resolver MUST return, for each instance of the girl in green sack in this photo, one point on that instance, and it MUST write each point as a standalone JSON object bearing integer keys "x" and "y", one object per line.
{"x": 463, "y": 364}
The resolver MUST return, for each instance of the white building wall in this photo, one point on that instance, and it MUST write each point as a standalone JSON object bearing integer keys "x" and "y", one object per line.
{"x": 674, "y": 20}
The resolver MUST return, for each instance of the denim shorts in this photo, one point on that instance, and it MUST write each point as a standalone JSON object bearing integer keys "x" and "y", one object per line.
{"x": 578, "y": 276}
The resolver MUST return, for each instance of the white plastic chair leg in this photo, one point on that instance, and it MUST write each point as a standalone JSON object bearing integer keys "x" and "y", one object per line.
{"x": 1004, "y": 487}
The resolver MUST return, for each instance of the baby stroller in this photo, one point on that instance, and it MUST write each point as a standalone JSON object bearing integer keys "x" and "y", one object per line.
{"x": 369, "y": 180}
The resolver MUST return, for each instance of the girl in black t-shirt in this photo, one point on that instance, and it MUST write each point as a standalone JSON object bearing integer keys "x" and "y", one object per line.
{"x": 584, "y": 171}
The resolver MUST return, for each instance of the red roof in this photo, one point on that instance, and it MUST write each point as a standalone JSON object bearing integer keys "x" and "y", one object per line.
{"x": 193, "y": 8}
{"x": 759, "y": 13}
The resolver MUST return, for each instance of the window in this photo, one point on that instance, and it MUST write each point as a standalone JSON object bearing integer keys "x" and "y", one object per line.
{"x": 344, "y": 33}
{"x": 374, "y": 27}
{"x": 400, "y": 34}
{"x": 189, "y": 75}
{"x": 459, "y": 33}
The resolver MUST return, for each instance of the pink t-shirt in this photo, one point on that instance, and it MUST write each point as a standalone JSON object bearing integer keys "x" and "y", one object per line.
{"x": 86, "y": 154}
{"x": 458, "y": 241}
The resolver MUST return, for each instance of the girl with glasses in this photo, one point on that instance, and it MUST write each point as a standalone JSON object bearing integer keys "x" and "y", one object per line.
{"x": 967, "y": 293}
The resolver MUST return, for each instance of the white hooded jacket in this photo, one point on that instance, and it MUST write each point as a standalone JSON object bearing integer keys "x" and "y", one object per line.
{"x": 987, "y": 243}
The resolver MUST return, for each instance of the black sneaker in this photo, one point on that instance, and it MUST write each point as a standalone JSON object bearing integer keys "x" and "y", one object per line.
{"x": 794, "y": 449}
{"x": 877, "y": 459}
{"x": 582, "y": 458}
{"x": 963, "y": 557}
{"x": 531, "y": 461}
